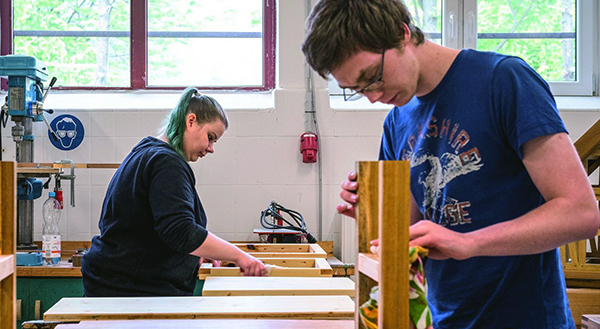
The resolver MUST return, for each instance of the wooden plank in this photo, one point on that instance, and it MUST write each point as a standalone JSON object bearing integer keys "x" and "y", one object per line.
{"x": 62, "y": 270}
{"x": 339, "y": 268}
{"x": 211, "y": 324}
{"x": 368, "y": 226}
{"x": 589, "y": 141}
{"x": 7, "y": 266}
{"x": 368, "y": 264}
{"x": 394, "y": 219}
{"x": 277, "y": 286}
{"x": 327, "y": 246}
{"x": 323, "y": 265}
{"x": 583, "y": 301}
{"x": 590, "y": 321}
{"x": 8, "y": 244}
{"x": 263, "y": 307}
{"x": 274, "y": 247}
{"x": 296, "y": 272}
{"x": 284, "y": 267}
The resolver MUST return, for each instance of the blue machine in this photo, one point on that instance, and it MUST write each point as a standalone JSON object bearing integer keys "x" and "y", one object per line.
{"x": 24, "y": 105}
{"x": 25, "y": 76}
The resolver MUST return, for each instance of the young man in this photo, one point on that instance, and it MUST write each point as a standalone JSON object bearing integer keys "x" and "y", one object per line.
{"x": 497, "y": 185}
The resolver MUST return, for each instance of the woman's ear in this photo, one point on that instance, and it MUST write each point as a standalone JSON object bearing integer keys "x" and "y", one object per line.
{"x": 189, "y": 120}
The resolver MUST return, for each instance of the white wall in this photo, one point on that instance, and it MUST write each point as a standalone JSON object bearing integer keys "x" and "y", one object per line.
{"x": 256, "y": 161}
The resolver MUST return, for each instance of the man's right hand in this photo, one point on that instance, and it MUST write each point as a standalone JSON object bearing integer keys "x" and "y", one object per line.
{"x": 348, "y": 194}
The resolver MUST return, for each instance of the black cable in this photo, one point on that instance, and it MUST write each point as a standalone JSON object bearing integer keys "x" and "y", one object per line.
{"x": 275, "y": 210}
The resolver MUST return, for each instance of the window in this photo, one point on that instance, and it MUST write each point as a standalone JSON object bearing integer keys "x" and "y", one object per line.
{"x": 555, "y": 37}
{"x": 146, "y": 44}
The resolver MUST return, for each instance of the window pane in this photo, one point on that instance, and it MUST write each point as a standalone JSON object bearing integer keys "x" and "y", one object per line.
{"x": 205, "y": 43}
{"x": 540, "y": 32}
{"x": 84, "y": 43}
{"x": 427, "y": 15}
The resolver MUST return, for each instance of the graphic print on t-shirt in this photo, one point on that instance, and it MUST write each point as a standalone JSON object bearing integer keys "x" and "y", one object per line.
{"x": 436, "y": 171}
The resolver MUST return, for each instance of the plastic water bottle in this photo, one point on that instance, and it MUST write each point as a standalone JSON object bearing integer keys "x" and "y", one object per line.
{"x": 50, "y": 232}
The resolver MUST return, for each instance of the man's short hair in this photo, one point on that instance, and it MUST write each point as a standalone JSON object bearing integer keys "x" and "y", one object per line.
{"x": 338, "y": 29}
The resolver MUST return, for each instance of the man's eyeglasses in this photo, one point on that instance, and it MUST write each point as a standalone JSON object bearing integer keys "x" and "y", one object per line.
{"x": 352, "y": 94}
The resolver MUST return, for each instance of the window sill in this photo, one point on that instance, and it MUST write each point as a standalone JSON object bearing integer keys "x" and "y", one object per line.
{"x": 150, "y": 100}
{"x": 579, "y": 104}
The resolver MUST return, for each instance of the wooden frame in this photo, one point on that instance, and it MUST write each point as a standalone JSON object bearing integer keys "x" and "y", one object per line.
{"x": 581, "y": 268}
{"x": 283, "y": 250}
{"x": 296, "y": 267}
{"x": 8, "y": 245}
{"x": 383, "y": 211}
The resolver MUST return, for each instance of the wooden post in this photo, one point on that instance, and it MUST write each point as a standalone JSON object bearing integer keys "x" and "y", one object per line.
{"x": 383, "y": 212}
{"x": 8, "y": 246}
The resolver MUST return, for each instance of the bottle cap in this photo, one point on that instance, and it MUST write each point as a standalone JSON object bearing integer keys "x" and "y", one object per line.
{"x": 51, "y": 194}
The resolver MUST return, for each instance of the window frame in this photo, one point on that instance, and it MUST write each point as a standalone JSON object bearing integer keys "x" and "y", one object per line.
{"x": 138, "y": 35}
{"x": 455, "y": 35}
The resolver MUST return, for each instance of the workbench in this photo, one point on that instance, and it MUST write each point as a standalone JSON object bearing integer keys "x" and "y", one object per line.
{"x": 253, "y": 307}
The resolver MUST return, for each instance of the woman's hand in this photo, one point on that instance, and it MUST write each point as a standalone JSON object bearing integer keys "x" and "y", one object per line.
{"x": 251, "y": 266}
{"x": 348, "y": 194}
{"x": 214, "y": 263}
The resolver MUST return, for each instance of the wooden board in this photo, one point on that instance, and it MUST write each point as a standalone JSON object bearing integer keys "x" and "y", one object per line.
{"x": 277, "y": 286}
{"x": 62, "y": 270}
{"x": 286, "y": 267}
{"x": 583, "y": 301}
{"x": 8, "y": 245}
{"x": 275, "y": 307}
{"x": 211, "y": 324}
{"x": 590, "y": 321}
{"x": 283, "y": 250}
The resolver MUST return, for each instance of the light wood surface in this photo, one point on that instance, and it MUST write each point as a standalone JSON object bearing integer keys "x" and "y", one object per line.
{"x": 277, "y": 286}
{"x": 8, "y": 245}
{"x": 276, "y": 307}
{"x": 283, "y": 250}
{"x": 368, "y": 264}
{"x": 7, "y": 266}
{"x": 212, "y": 324}
{"x": 583, "y": 301}
{"x": 283, "y": 267}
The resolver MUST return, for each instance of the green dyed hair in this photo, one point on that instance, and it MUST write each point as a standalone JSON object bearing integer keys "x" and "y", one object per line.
{"x": 206, "y": 109}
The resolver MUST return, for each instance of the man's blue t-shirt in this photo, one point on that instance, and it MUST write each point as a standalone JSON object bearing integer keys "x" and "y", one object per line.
{"x": 464, "y": 141}
{"x": 151, "y": 220}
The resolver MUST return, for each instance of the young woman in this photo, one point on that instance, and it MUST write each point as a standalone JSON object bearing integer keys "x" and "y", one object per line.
{"x": 153, "y": 226}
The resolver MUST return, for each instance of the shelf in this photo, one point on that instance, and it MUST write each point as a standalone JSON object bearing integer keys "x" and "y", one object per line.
{"x": 7, "y": 266}
{"x": 368, "y": 264}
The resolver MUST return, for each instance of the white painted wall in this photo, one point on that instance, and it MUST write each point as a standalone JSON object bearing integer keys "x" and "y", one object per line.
{"x": 257, "y": 159}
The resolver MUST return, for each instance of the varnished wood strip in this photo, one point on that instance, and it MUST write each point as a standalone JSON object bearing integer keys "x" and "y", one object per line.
{"x": 394, "y": 220}
{"x": 8, "y": 243}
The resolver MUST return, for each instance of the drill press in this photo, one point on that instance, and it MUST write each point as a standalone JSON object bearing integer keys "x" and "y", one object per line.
{"x": 24, "y": 105}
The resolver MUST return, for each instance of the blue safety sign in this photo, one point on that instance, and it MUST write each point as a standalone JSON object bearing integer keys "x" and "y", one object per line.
{"x": 69, "y": 130}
